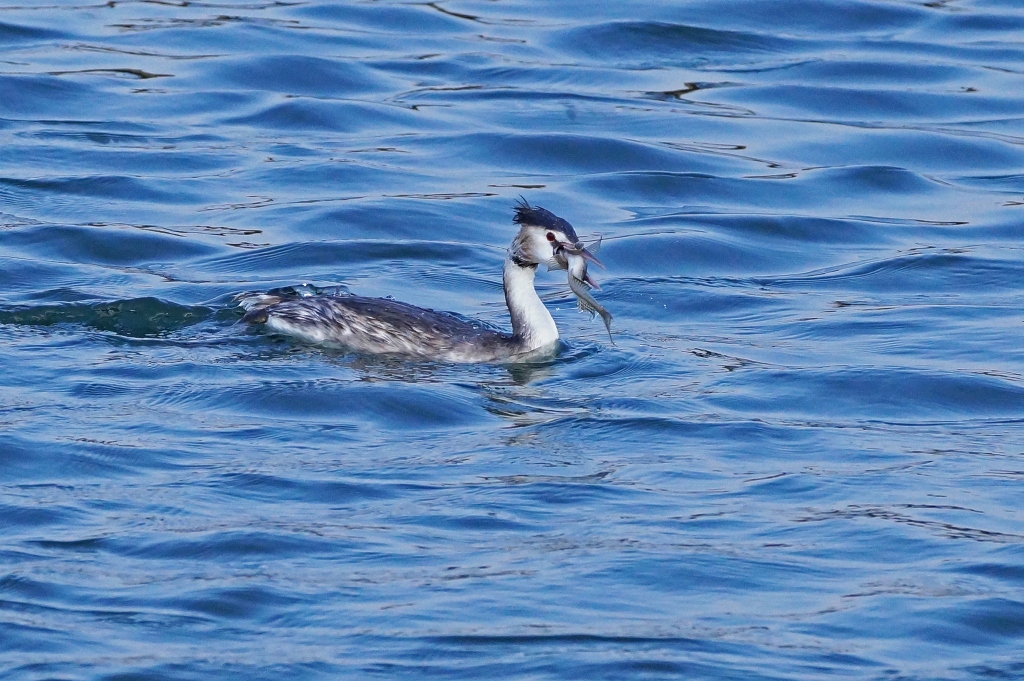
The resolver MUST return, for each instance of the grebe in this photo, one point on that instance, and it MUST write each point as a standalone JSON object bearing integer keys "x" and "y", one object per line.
{"x": 384, "y": 326}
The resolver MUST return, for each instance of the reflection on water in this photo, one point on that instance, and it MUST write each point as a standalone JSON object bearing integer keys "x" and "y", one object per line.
{"x": 801, "y": 457}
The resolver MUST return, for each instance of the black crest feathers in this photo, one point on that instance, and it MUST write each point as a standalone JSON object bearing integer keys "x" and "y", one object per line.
{"x": 540, "y": 217}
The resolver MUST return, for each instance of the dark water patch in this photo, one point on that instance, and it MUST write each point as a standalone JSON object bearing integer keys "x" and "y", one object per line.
{"x": 308, "y": 114}
{"x": 95, "y": 390}
{"x": 783, "y": 485}
{"x": 105, "y": 243}
{"x": 245, "y": 603}
{"x": 932, "y": 151}
{"x": 819, "y": 191}
{"x": 669, "y": 434}
{"x": 676, "y": 189}
{"x": 829, "y": 19}
{"x": 876, "y": 179}
{"x": 116, "y": 73}
{"x": 137, "y": 318}
{"x": 538, "y": 89}
{"x": 156, "y": 165}
{"x": 987, "y": 25}
{"x": 127, "y": 50}
{"x": 298, "y": 257}
{"x": 1007, "y": 669}
{"x": 114, "y": 138}
{"x": 1011, "y": 184}
{"x": 39, "y": 457}
{"x": 612, "y": 365}
{"x": 297, "y": 75}
{"x": 206, "y": 21}
{"x": 274, "y": 488}
{"x": 565, "y": 655}
{"x": 339, "y": 401}
{"x": 686, "y": 188}
{"x": 345, "y": 179}
{"x": 869, "y": 72}
{"x": 222, "y": 546}
{"x": 411, "y": 219}
{"x": 90, "y": 545}
{"x": 21, "y": 276}
{"x": 465, "y": 522}
{"x": 553, "y": 496}
{"x": 10, "y": 33}
{"x": 557, "y": 639}
{"x": 692, "y": 255}
{"x": 86, "y": 457}
{"x": 705, "y": 572}
{"x": 682, "y": 95}
{"x": 30, "y": 639}
{"x": 13, "y": 517}
{"x": 941, "y": 271}
{"x": 641, "y": 44}
{"x": 36, "y": 95}
{"x": 984, "y": 622}
{"x": 399, "y": 20}
{"x": 103, "y": 187}
{"x": 1007, "y": 572}
{"x": 779, "y": 229}
{"x": 892, "y": 395}
{"x": 564, "y": 152}
{"x": 867, "y": 105}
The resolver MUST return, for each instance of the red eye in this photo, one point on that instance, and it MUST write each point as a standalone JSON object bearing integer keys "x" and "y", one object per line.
{"x": 551, "y": 237}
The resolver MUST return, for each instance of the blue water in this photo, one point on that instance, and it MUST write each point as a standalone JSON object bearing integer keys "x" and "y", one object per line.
{"x": 802, "y": 458}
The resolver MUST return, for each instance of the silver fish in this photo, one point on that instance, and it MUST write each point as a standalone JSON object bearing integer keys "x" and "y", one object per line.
{"x": 580, "y": 283}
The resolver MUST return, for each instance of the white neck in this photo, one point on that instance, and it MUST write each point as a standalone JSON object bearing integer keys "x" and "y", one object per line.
{"x": 531, "y": 321}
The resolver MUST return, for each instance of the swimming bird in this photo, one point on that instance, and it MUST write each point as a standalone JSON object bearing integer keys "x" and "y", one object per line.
{"x": 385, "y": 326}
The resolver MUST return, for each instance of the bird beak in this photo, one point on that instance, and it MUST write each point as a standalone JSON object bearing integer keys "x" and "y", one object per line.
{"x": 581, "y": 250}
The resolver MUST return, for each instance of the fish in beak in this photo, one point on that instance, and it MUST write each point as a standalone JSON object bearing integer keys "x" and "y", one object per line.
{"x": 575, "y": 258}
{"x": 563, "y": 250}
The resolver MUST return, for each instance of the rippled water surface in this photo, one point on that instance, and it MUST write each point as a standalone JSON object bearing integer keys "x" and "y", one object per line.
{"x": 802, "y": 457}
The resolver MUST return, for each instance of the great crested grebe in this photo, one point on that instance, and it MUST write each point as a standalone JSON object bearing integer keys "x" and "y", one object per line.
{"x": 384, "y": 326}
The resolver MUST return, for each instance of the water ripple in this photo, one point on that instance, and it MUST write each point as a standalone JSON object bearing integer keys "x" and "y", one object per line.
{"x": 801, "y": 457}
